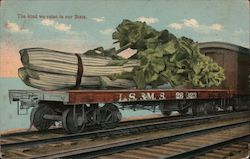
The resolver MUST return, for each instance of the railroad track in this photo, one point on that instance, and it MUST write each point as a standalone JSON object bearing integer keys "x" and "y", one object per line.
{"x": 19, "y": 148}
{"x": 234, "y": 148}
{"x": 183, "y": 145}
{"x": 129, "y": 127}
{"x": 56, "y": 132}
{"x": 59, "y": 130}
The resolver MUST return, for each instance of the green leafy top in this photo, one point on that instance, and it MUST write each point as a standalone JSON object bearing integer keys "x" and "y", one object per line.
{"x": 164, "y": 58}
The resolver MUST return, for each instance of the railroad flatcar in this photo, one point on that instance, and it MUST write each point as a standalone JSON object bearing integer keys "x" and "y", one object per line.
{"x": 79, "y": 108}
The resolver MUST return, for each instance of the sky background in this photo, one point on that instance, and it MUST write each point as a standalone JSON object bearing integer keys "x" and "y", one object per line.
{"x": 200, "y": 20}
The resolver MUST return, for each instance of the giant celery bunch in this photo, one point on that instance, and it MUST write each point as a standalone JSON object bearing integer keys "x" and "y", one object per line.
{"x": 166, "y": 58}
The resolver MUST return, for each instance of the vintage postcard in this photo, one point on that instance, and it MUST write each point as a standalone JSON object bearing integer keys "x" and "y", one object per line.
{"x": 91, "y": 67}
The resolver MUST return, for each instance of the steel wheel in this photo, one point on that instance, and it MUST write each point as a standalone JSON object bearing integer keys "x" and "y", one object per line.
{"x": 184, "y": 106}
{"x": 164, "y": 112}
{"x": 90, "y": 114}
{"x": 211, "y": 108}
{"x": 183, "y": 111}
{"x": 36, "y": 117}
{"x": 108, "y": 117}
{"x": 70, "y": 124}
{"x": 115, "y": 110}
{"x": 199, "y": 109}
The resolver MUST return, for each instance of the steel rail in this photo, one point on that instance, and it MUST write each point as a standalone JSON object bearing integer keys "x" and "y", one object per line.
{"x": 122, "y": 130}
{"x": 29, "y": 132}
{"x": 210, "y": 147}
{"x": 90, "y": 128}
{"x": 129, "y": 145}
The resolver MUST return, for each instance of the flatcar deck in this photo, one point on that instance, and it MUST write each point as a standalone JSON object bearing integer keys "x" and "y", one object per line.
{"x": 118, "y": 96}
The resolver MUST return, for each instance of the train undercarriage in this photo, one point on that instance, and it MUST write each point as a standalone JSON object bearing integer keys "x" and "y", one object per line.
{"x": 75, "y": 118}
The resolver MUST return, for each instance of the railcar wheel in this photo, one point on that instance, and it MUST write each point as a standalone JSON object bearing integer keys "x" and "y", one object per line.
{"x": 195, "y": 110}
{"x": 36, "y": 117}
{"x": 91, "y": 116}
{"x": 71, "y": 124}
{"x": 198, "y": 110}
{"x": 164, "y": 112}
{"x": 183, "y": 111}
{"x": 236, "y": 107}
{"x": 203, "y": 109}
{"x": 184, "y": 106}
{"x": 211, "y": 108}
{"x": 108, "y": 117}
{"x": 115, "y": 110}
